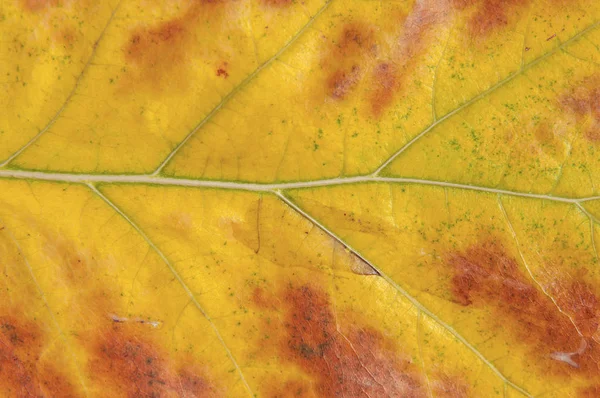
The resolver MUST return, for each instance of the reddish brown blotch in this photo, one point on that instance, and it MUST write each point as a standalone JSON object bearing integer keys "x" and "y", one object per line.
{"x": 22, "y": 372}
{"x": 38, "y": 5}
{"x": 360, "y": 54}
{"x": 559, "y": 337}
{"x": 490, "y": 15}
{"x": 121, "y": 356}
{"x": 582, "y": 101}
{"x": 338, "y": 356}
{"x": 155, "y": 51}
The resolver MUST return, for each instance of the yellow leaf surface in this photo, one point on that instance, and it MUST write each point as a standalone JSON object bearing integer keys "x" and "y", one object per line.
{"x": 286, "y": 198}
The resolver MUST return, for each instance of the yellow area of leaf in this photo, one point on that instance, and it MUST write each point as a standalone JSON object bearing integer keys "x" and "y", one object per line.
{"x": 537, "y": 133}
{"x": 45, "y": 47}
{"x": 517, "y": 277}
{"x": 277, "y": 198}
{"x": 159, "y": 68}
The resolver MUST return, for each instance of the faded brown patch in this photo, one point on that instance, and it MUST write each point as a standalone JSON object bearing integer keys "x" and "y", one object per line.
{"x": 123, "y": 358}
{"x": 22, "y": 374}
{"x": 222, "y": 70}
{"x": 356, "y": 43}
{"x": 158, "y": 52}
{"x": 485, "y": 275}
{"x": 278, "y": 3}
{"x": 490, "y": 15}
{"x": 385, "y": 82}
{"x": 66, "y": 36}
{"x": 583, "y": 103}
{"x": 589, "y": 392}
{"x": 362, "y": 57}
{"x": 345, "y": 359}
{"x": 75, "y": 263}
{"x": 38, "y": 5}
{"x": 180, "y": 224}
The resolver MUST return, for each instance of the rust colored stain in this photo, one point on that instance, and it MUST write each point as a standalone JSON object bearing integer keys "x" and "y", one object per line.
{"x": 222, "y": 70}
{"x": 583, "y": 102}
{"x": 341, "y": 82}
{"x": 137, "y": 368}
{"x": 278, "y": 3}
{"x": 76, "y": 263}
{"x": 156, "y": 51}
{"x": 361, "y": 57}
{"x": 38, "y": 5}
{"x": 490, "y": 15}
{"x": 21, "y": 373}
{"x": 354, "y": 46}
{"x": 486, "y": 276}
{"x": 350, "y": 360}
{"x": 386, "y": 82}
{"x": 589, "y": 392}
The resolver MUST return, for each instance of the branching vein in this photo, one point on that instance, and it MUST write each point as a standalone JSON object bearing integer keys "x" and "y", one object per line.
{"x": 179, "y": 279}
{"x": 424, "y": 310}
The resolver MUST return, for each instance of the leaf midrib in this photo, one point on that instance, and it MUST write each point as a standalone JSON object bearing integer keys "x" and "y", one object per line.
{"x": 276, "y": 187}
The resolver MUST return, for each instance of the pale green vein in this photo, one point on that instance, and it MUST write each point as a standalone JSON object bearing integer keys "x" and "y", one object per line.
{"x": 47, "y": 306}
{"x": 526, "y": 264}
{"x": 69, "y": 97}
{"x": 179, "y": 279}
{"x": 239, "y": 87}
{"x": 593, "y": 220}
{"x": 180, "y": 182}
{"x": 482, "y": 95}
{"x": 424, "y": 310}
{"x": 421, "y": 357}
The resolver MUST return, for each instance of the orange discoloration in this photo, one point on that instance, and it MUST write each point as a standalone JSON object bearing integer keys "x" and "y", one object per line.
{"x": 583, "y": 103}
{"x": 356, "y": 43}
{"x": 75, "y": 263}
{"x": 222, "y": 70}
{"x": 380, "y": 59}
{"x": 340, "y": 358}
{"x": 66, "y": 36}
{"x": 156, "y": 51}
{"x": 560, "y": 340}
{"x": 121, "y": 357}
{"x": 385, "y": 81}
{"x": 21, "y": 373}
{"x": 342, "y": 82}
{"x": 490, "y": 15}
{"x": 589, "y": 392}
{"x": 278, "y": 3}
{"x": 38, "y": 5}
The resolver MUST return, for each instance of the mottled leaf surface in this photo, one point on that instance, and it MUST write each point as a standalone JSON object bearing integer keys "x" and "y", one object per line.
{"x": 300, "y": 198}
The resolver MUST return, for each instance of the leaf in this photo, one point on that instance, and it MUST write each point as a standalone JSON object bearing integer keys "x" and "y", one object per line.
{"x": 300, "y": 198}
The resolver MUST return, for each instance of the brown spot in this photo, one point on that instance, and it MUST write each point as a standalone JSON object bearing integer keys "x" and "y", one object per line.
{"x": 589, "y": 392}
{"x": 340, "y": 358}
{"x": 38, "y": 5}
{"x": 355, "y": 44}
{"x": 180, "y": 224}
{"x": 66, "y": 36}
{"x": 385, "y": 82}
{"x": 278, "y": 3}
{"x": 75, "y": 263}
{"x": 156, "y": 52}
{"x": 222, "y": 70}
{"x": 363, "y": 56}
{"x": 21, "y": 372}
{"x": 260, "y": 299}
{"x": 583, "y": 103}
{"x": 342, "y": 82}
{"x": 490, "y": 15}
{"x": 486, "y": 276}
{"x": 137, "y": 368}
